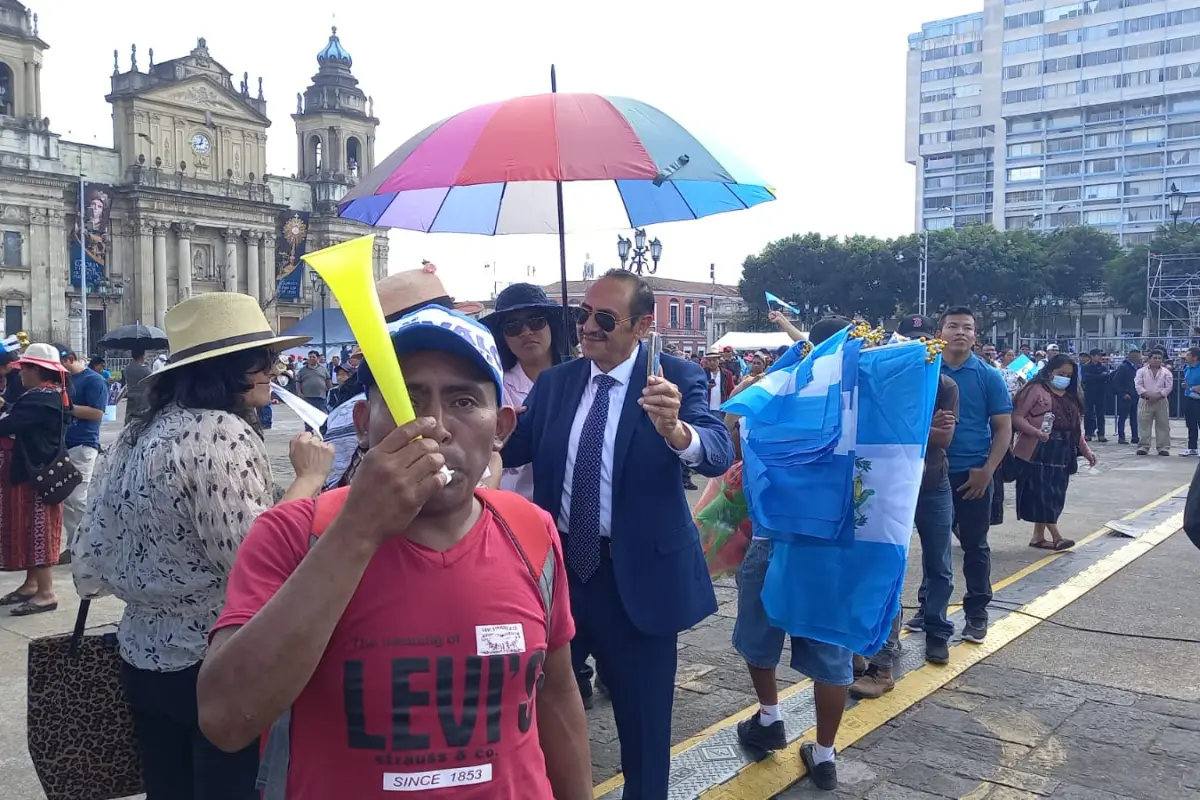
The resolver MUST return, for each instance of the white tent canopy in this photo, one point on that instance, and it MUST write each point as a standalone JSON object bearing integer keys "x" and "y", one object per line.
{"x": 740, "y": 341}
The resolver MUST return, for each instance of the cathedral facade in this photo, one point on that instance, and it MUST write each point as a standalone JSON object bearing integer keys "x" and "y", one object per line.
{"x": 182, "y": 203}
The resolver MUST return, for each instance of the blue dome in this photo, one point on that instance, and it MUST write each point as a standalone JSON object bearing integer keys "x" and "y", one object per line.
{"x": 334, "y": 51}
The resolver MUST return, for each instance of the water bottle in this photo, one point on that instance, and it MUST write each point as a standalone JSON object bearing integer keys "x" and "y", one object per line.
{"x": 1048, "y": 422}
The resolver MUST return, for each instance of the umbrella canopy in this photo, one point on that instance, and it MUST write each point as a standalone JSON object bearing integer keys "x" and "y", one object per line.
{"x": 128, "y": 337}
{"x": 494, "y": 169}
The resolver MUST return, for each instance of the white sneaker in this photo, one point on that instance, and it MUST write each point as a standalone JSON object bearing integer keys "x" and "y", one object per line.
{"x": 1190, "y": 453}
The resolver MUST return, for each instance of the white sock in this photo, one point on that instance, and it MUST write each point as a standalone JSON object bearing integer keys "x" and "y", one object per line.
{"x": 769, "y": 715}
{"x": 822, "y": 754}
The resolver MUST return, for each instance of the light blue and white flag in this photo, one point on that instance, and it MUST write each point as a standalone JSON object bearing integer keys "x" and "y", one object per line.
{"x": 1024, "y": 366}
{"x": 12, "y": 344}
{"x": 840, "y": 525}
{"x": 781, "y": 303}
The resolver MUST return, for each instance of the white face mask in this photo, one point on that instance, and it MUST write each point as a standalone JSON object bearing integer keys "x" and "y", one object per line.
{"x": 1060, "y": 381}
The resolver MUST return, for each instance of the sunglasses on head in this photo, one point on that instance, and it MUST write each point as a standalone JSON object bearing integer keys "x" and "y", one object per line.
{"x": 606, "y": 321}
{"x": 513, "y": 327}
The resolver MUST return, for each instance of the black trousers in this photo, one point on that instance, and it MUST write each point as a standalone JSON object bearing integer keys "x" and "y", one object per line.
{"x": 1127, "y": 409}
{"x": 1191, "y": 415}
{"x": 1093, "y": 413}
{"x": 178, "y": 763}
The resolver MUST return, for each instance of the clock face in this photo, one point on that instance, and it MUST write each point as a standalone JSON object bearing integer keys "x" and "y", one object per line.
{"x": 200, "y": 144}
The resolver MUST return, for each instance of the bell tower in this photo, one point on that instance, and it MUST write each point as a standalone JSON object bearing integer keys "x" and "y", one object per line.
{"x": 335, "y": 128}
{"x": 21, "y": 50}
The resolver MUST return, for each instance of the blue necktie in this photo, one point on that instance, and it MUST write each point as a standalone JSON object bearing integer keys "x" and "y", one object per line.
{"x": 583, "y": 536}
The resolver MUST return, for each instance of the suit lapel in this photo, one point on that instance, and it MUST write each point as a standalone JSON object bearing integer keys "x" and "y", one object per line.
{"x": 575, "y": 381}
{"x": 631, "y": 417}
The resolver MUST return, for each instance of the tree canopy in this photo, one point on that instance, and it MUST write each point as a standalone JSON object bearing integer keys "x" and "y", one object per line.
{"x": 995, "y": 272}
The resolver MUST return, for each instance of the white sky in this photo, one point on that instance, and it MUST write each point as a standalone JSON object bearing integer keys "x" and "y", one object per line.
{"x": 808, "y": 93}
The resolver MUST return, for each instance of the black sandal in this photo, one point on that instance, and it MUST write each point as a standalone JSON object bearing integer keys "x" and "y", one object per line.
{"x": 15, "y": 598}
{"x": 1043, "y": 545}
{"x": 29, "y": 608}
{"x": 1064, "y": 544}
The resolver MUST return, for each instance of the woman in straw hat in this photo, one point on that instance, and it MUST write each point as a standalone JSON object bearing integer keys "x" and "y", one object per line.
{"x": 178, "y": 493}
{"x": 31, "y": 432}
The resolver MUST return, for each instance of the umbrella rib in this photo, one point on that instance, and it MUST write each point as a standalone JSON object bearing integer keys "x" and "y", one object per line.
{"x": 499, "y": 205}
{"x": 441, "y": 205}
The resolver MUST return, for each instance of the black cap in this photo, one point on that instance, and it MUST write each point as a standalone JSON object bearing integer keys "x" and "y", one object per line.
{"x": 915, "y": 326}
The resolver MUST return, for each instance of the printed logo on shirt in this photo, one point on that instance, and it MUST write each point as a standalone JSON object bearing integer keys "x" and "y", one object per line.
{"x": 499, "y": 640}
{"x": 436, "y": 779}
{"x": 458, "y": 690}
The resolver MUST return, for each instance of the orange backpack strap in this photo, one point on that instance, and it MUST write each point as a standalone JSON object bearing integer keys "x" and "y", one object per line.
{"x": 328, "y": 506}
{"x": 527, "y": 529}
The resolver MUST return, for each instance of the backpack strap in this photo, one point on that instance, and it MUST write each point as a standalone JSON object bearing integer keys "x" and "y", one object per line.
{"x": 527, "y": 529}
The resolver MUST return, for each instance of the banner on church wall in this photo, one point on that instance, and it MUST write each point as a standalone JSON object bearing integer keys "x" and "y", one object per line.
{"x": 293, "y": 244}
{"x": 91, "y": 255}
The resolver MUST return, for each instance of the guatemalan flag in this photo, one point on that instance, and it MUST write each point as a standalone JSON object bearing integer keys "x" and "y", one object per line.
{"x": 833, "y": 461}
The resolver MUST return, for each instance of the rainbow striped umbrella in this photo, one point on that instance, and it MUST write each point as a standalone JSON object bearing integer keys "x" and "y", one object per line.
{"x": 500, "y": 168}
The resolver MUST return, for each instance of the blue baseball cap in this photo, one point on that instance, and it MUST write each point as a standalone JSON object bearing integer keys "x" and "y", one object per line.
{"x": 435, "y": 327}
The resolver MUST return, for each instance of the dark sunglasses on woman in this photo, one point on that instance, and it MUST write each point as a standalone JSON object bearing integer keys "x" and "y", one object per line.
{"x": 606, "y": 321}
{"x": 513, "y": 327}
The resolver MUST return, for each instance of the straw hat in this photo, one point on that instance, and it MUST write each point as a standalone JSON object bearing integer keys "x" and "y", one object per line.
{"x": 46, "y": 356}
{"x": 216, "y": 324}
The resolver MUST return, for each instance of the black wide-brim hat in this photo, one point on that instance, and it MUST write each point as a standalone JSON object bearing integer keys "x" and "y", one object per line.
{"x": 518, "y": 297}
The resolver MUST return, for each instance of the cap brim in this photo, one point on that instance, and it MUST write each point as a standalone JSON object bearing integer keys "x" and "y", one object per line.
{"x": 415, "y": 338}
{"x": 55, "y": 366}
{"x": 277, "y": 343}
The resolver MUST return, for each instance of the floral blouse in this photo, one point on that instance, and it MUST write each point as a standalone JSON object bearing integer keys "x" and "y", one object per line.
{"x": 165, "y": 519}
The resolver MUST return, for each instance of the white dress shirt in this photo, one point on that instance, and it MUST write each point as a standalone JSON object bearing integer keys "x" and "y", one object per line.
{"x": 692, "y": 455}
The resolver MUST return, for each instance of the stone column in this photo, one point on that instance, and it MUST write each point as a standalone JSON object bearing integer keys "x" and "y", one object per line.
{"x": 30, "y": 89}
{"x": 144, "y": 307}
{"x": 183, "y": 233}
{"x": 37, "y": 88}
{"x": 59, "y": 266}
{"x": 231, "y": 263}
{"x": 160, "y": 272}
{"x": 253, "y": 271}
{"x": 39, "y": 270}
{"x": 266, "y": 266}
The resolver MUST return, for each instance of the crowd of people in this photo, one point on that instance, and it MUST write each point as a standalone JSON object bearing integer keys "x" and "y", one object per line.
{"x": 533, "y": 518}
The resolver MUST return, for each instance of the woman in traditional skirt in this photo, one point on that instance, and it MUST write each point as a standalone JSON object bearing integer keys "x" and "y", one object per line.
{"x": 30, "y": 436}
{"x": 1047, "y": 454}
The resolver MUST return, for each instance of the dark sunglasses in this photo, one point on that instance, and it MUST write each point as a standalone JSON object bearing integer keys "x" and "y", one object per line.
{"x": 513, "y": 327}
{"x": 606, "y": 321}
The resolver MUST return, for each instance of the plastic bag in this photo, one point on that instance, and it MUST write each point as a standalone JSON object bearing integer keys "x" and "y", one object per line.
{"x": 724, "y": 523}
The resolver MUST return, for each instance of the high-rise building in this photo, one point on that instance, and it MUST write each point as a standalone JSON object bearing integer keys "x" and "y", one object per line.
{"x": 1042, "y": 114}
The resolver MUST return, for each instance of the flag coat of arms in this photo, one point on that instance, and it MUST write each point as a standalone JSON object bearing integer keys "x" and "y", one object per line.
{"x": 833, "y": 460}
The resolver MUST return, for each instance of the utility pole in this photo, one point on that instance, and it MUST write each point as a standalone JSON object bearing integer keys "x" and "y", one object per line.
{"x": 923, "y": 278}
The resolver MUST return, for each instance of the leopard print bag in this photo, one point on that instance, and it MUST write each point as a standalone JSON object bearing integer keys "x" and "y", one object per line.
{"x": 80, "y": 726}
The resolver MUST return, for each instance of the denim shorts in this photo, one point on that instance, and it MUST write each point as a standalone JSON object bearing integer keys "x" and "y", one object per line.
{"x": 761, "y": 644}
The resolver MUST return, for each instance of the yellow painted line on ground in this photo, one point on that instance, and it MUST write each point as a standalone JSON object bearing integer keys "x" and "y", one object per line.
{"x": 618, "y": 780}
{"x": 768, "y": 778}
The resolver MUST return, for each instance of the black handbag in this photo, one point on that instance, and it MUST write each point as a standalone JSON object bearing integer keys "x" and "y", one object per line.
{"x": 54, "y": 481}
{"x": 80, "y": 726}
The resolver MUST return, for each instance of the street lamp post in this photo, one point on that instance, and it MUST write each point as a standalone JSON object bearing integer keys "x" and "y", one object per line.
{"x": 1176, "y": 200}
{"x": 639, "y": 252}
{"x": 320, "y": 288}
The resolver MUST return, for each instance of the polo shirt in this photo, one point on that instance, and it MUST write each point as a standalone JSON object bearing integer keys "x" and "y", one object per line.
{"x": 982, "y": 394}
{"x": 89, "y": 389}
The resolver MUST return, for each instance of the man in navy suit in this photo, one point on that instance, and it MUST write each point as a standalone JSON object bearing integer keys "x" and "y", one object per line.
{"x": 609, "y": 446}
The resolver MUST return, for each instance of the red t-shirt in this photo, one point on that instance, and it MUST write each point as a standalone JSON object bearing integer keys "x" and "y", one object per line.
{"x": 427, "y": 684}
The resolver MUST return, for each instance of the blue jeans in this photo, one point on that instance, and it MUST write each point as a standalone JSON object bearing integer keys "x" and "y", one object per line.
{"x": 934, "y": 520}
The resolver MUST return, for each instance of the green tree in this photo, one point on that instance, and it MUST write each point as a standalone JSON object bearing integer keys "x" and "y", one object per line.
{"x": 1075, "y": 260}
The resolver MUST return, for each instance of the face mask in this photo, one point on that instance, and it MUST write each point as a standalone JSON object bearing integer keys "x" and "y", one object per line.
{"x": 1060, "y": 381}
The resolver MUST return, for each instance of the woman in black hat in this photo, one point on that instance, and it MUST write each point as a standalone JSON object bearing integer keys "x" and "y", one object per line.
{"x": 530, "y": 338}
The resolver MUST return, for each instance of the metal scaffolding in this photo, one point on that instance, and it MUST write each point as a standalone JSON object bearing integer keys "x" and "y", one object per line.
{"x": 1173, "y": 296}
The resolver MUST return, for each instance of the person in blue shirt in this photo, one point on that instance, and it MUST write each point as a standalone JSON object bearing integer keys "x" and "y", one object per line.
{"x": 88, "y": 391}
{"x": 981, "y": 438}
{"x": 1191, "y": 399}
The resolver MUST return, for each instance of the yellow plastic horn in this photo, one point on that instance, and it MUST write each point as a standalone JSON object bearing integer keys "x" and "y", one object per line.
{"x": 346, "y": 269}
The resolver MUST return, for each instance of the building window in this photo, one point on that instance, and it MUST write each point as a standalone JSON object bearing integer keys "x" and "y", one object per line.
{"x": 674, "y": 323}
{"x": 687, "y": 315}
{"x": 14, "y": 320}
{"x": 353, "y": 156}
{"x": 10, "y": 256}
{"x": 318, "y": 162}
{"x": 703, "y": 317}
{"x": 6, "y": 90}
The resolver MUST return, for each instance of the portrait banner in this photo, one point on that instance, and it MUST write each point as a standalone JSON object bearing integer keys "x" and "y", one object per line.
{"x": 89, "y": 252}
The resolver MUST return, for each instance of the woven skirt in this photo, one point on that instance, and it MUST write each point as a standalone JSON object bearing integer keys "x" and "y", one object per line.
{"x": 30, "y": 530}
{"x": 1042, "y": 482}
